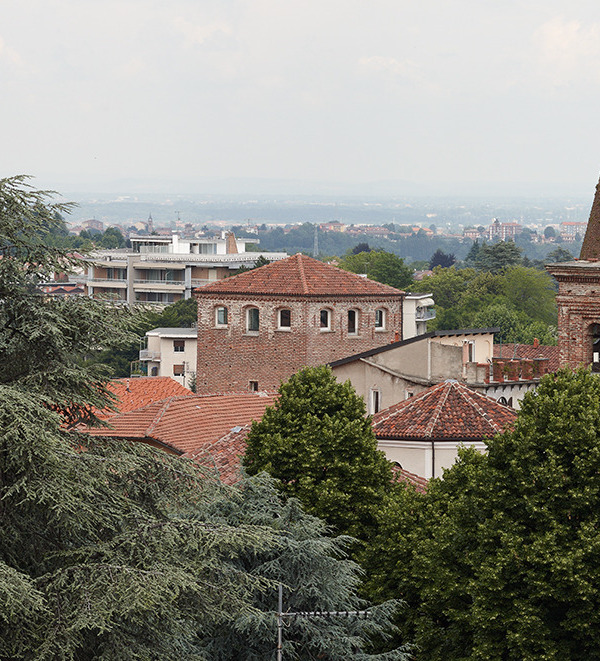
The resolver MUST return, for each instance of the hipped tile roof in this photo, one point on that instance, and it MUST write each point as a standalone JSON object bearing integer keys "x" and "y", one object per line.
{"x": 519, "y": 351}
{"x": 134, "y": 393}
{"x": 300, "y": 275}
{"x": 187, "y": 424}
{"x": 449, "y": 411}
{"x": 418, "y": 482}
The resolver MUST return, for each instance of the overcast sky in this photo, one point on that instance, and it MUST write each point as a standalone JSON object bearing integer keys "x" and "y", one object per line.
{"x": 337, "y": 90}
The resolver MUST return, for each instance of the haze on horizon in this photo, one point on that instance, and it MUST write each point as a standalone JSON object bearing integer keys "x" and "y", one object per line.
{"x": 153, "y": 94}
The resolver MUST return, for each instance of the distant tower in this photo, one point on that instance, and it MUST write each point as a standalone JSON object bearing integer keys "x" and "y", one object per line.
{"x": 578, "y": 299}
{"x": 150, "y": 224}
{"x": 316, "y": 243}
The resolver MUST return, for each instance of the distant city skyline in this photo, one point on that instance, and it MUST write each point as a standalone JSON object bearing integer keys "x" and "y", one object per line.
{"x": 387, "y": 97}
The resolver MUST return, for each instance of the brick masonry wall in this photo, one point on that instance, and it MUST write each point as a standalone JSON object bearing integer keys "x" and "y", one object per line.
{"x": 229, "y": 358}
{"x": 578, "y": 303}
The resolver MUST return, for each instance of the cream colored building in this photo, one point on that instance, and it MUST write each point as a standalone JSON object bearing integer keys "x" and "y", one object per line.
{"x": 170, "y": 352}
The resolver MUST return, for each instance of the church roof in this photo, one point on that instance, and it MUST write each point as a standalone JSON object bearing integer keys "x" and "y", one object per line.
{"x": 590, "y": 249}
{"x": 300, "y": 275}
{"x": 449, "y": 411}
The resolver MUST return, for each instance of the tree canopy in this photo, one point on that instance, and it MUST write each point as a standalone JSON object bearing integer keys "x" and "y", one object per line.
{"x": 318, "y": 442}
{"x": 499, "y": 559}
{"x": 379, "y": 265}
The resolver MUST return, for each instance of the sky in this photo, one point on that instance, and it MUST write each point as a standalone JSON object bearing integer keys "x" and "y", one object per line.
{"x": 354, "y": 91}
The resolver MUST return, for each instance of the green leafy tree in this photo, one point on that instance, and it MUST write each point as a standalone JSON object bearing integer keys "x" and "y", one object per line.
{"x": 440, "y": 258}
{"x": 115, "y": 550}
{"x": 558, "y": 255}
{"x": 318, "y": 442}
{"x": 379, "y": 265}
{"x": 549, "y": 232}
{"x": 112, "y": 238}
{"x": 501, "y": 562}
{"x": 495, "y": 257}
{"x": 532, "y": 292}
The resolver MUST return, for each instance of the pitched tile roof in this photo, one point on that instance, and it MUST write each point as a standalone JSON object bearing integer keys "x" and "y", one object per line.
{"x": 418, "y": 482}
{"x": 299, "y": 275}
{"x": 447, "y": 411}
{"x": 186, "y": 424}
{"x": 519, "y": 351}
{"x": 140, "y": 391}
{"x": 224, "y": 455}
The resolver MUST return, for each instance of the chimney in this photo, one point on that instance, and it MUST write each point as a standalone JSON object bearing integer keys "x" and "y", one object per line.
{"x": 231, "y": 245}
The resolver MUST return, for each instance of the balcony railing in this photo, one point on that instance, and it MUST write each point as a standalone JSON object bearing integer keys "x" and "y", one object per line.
{"x": 146, "y": 354}
{"x": 97, "y": 279}
{"x": 160, "y": 282}
{"x": 425, "y": 314}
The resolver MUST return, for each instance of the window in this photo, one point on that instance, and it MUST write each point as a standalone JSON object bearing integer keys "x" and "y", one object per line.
{"x": 178, "y": 346}
{"x": 285, "y": 318}
{"x": 325, "y": 320}
{"x": 178, "y": 370}
{"x": 253, "y": 386}
{"x": 375, "y": 401}
{"x": 221, "y": 316}
{"x": 469, "y": 351}
{"x": 252, "y": 320}
{"x": 352, "y": 322}
{"x": 380, "y": 319}
{"x": 154, "y": 371}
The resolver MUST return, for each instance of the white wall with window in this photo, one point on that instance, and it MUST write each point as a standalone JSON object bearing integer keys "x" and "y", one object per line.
{"x": 170, "y": 352}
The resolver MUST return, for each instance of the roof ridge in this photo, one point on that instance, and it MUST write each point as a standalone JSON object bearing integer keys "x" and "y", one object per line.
{"x": 439, "y": 407}
{"x": 159, "y": 415}
{"x": 473, "y": 402}
{"x": 302, "y": 274}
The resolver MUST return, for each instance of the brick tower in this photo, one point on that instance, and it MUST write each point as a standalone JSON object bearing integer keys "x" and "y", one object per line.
{"x": 578, "y": 299}
{"x": 257, "y": 328}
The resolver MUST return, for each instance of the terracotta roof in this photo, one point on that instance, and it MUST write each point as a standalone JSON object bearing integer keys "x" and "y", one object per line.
{"x": 447, "y": 411}
{"x": 225, "y": 454}
{"x": 141, "y": 391}
{"x": 418, "y": 482}
{"x": 299, "y": 275}
{"x": 519, "y": 351}
{"x": 590, "y": 249}
{"x": 187, "y": 424}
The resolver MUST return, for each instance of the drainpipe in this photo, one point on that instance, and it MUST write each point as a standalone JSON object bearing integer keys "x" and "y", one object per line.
{"x": 432, "y": 458}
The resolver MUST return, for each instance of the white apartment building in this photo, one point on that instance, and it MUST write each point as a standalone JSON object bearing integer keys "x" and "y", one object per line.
{"x": 170, "y": 352}
{"x": 417, "y": 310}
{"x": 165, "y": 269}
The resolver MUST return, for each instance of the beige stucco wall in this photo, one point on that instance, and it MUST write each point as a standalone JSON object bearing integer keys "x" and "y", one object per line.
{"x": 422, "y": 457}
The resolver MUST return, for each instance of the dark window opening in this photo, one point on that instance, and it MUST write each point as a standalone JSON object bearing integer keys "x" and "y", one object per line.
{"x": 285, "y": 318}
{"x": 178, "y": 346}
{"x": 324, "y": 319}
{"x": 253, "y": 386}
{"x": 352, "y": 322}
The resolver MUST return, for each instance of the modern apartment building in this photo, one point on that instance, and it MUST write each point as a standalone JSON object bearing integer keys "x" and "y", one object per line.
{"x": 165, "y": 269}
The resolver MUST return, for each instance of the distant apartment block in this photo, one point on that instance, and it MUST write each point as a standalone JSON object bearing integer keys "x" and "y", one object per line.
{"x": 503, "y": 231}
{"x": 165, "y": 269}
{"x": 169, "y": 352}
{"x": 570, "y": 230}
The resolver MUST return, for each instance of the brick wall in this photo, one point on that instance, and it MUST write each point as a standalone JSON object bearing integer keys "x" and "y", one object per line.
{"x": 578, "y": 303}
{"x": 230, "y": 357}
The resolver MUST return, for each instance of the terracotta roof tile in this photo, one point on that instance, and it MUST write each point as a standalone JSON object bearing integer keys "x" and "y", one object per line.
{"x": 225, "y": 454}
{"x": 447, "y": 411}
{"x": 418, "y": 482}
{"x": 141, "y": 391}
{"x": 299, "y": 275}
{"x": 519, "y": 351}
{"x": 187, "y": 424}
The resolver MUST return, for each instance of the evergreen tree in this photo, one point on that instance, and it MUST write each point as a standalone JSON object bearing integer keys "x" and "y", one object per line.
{"x": 318, "y": 442}
{"x": 440, "y": 258}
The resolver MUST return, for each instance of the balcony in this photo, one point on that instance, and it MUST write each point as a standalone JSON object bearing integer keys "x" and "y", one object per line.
{"x": 109, "y": 282}
{"x": 159, "y": 282}
{"x": 425, "y": 314}
{"x": 146, "y": 354}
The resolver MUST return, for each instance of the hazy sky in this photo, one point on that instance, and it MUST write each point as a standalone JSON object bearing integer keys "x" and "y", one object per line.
{"x": 342, "y": 90}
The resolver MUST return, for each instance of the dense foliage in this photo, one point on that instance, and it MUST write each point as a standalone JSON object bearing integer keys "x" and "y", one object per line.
{"x": 112, "y": 550}
{"x": 319, "y": 443}
{"x": 518, "y": 300}
{"x": 499, "y": 560}
{"x": 379, "y": 265}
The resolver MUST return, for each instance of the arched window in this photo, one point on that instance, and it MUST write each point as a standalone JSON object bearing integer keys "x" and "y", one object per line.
{"x": 221, "y": 316}
{"x": 284, "y": 319}
{"x": 380, "y": 319}
{"x": 252, "y": 320}
{"x": 352, "y": 322}
{"x": 325, "y": 319}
